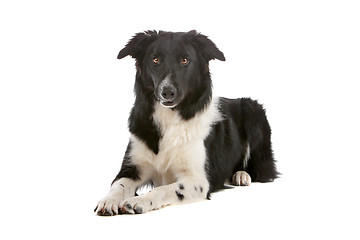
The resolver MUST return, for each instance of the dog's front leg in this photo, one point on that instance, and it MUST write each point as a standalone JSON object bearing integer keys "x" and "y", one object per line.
{"x": 179, "y": 192}
{"x": 123, "y": 187}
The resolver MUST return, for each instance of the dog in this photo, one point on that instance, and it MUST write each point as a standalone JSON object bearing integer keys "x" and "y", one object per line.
{"x": 185, "y": 143}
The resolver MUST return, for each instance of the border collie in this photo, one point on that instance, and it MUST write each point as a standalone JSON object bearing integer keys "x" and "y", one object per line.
{"x": 183, "y": 142}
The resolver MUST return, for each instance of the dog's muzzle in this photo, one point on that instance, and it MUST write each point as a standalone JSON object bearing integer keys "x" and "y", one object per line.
{"x": 167, "y": 94}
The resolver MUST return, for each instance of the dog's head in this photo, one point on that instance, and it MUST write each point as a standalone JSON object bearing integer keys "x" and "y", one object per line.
{"x": 171, "y": 63}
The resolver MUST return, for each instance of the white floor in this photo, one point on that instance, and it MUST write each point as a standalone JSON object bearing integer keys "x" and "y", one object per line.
{"x": 278, "y": 210}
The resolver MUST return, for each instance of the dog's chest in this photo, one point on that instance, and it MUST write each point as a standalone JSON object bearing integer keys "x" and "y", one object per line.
{"x": 181, "y": 145}
{"x": 176, "y": 132}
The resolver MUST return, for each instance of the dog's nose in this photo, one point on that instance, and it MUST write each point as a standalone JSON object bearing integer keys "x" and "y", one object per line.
{"x": 168, "y": 93}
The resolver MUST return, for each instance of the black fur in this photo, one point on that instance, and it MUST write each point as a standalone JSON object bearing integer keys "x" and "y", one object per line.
{"x": 128, "y": 170}
{"x": 179, "y": 195}
{"x": 244, "y": 121}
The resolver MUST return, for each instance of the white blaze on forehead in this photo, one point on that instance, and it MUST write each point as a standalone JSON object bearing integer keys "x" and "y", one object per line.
{"x": 165, "y": 82}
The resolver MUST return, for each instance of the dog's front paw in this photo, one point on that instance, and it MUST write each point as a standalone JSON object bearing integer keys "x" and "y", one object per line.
{"x": 137, "y": 205}
{"x": 108, "y": 206}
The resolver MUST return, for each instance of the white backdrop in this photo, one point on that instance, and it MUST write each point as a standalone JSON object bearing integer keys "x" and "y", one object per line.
{"x": 65, "y": 99}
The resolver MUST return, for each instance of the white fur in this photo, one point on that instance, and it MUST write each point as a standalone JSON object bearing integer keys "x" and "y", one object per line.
{"x": 247, "y": 155}
{"x": 162, "y": 196}
{"x": 166, "y": 82}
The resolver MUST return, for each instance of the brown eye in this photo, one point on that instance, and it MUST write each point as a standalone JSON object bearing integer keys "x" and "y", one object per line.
{"x": 156, "y": 60}
{"x": 184, "y": 61}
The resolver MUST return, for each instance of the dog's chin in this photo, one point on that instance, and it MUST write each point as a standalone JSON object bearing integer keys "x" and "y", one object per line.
{"x": 168, "y": 104}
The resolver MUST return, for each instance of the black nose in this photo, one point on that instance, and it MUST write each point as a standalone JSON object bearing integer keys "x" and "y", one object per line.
{"x": 168, "y": 93}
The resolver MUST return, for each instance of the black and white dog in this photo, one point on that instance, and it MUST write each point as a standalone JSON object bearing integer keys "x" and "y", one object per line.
{"x": 183, "y": 142}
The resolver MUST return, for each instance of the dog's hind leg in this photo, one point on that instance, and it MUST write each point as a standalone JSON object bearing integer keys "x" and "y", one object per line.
{"x": 260, "y": 164}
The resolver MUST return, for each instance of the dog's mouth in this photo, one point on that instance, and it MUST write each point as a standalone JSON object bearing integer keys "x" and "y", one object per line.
{"x": 168, "y": 104}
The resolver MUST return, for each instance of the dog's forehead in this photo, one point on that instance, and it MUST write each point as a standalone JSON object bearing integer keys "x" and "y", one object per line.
{"x": 171, "y": 43}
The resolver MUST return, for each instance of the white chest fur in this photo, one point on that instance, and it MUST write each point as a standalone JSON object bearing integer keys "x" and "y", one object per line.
{"x": 181, "y": 148}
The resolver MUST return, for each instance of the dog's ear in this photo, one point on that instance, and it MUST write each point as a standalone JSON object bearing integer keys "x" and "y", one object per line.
{"x": 206, "y": 46}
{"x": 136, "y": 47}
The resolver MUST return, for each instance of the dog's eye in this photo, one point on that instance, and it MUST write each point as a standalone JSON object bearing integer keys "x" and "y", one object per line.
{"x": 184, "y": 61}
{"x": 156, "y": 60}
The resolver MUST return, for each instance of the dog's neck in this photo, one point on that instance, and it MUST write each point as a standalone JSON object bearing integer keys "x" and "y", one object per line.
{"x": 140, "y": 116}
{"x": 197, "y": 100}
{"x": 194, "y": 103}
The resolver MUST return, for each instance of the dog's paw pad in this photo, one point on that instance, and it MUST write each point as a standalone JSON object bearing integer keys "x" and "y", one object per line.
{"x": 241, "y": 178}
